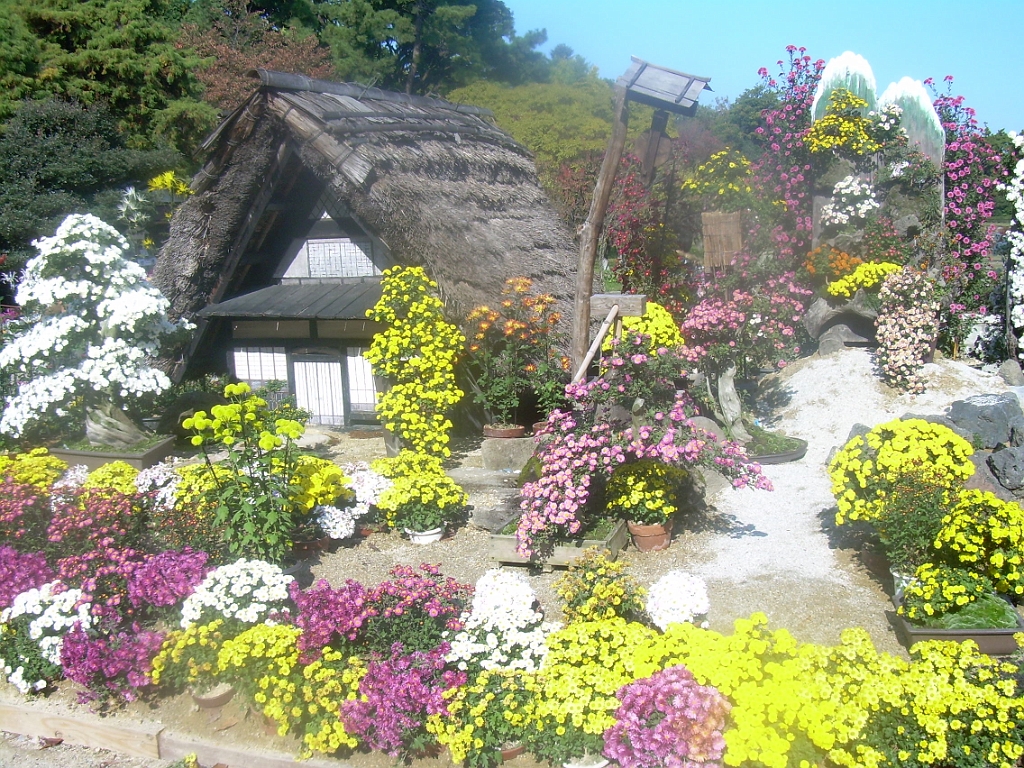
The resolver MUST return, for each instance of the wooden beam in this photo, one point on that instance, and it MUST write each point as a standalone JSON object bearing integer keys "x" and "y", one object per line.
{"x": 175, "y": 747}
{"x": 139, "y": 740}
{"x": 591, "y": 230}
{"x": 630, "y": 304}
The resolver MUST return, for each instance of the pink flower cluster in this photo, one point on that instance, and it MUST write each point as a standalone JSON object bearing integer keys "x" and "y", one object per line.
{"x": 325, "y": 614}
{"x": 397, "y": 695}
{"x": 115, "y": 664}
{"x": 753, "y": 329}
{"x": 578, "y": 450}
{"x": 783, "y": 172}
{"x": 907, "y": 323}
{"x": 668, "y": 720}
{"x": 22, "y": 508}
{"x": 20, "y": 573}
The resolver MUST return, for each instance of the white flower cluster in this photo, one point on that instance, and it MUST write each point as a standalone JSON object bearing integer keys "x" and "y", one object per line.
{"x": 851, "y": 199}
{"x": 337, "y": 522}
{"x": 247, "y": 590}
{"x": 161, "y": 480}
{"x": 1015, "y": 276}
{"x": 504, "y": 629}
{"x": 89, "y": 323}
{"x": 367, "y": 485}
{"x": 907, "y": 322}
{"x": 678, "y": 597}
{"x": 53, "y": 613}
{"x": 887, "y": 119}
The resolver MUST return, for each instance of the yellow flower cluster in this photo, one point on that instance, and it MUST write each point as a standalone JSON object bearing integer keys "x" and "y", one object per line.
{"x": 117, "y": 475}
{"x": 189, "y": 656}
{"x": 842, "y": 128}
{"x": 867, "y": 468}
{"x": 264, "y": 657}
{"x": 244, "y": 416}
{"x": 656, "y": 322}
{"x": 36, "y": 468}
{"x": 986, "y": 534}
{"x": 595, "y": 588}
{"x": 950, "y": 705}
{"x": 939, "y": 589}
{"x": 645, "y": 491}
{"x": 586, "y": 664}
{"x": 317, "y": 481}
{"x": 495, "y": 703}
{"x": 416, "y": 477}
{"x": 723, "y": 181}
{"x": 865, "y": 276}
{"x": 417, "y": 352}
{"x": 326, "y": 683}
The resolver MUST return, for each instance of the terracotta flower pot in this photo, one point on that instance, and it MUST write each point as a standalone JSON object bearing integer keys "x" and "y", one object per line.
{"x": 304, "y": 550}
{"x": 650, "y": 538}
{"x": 504, "y": 430}
{"x": 510, "y": 753}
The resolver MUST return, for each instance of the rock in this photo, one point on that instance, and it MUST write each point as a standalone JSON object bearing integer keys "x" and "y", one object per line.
{"x": 857, "y": 430}
{"x": 1011, "y": 373}
{"x": 986, "y": 417}
{"x": 984, "y": 480}
{"x": 506, "y": 452}
{"x": 837, "y": 338}
{"x": 1008, "y": 467}
{"x": 1017, "y": 432}
{"x": 821, "y": 315}
{"x": 710, "y": 425}
{"x": 908, "y": 226}
{"x": 109, "y": 426}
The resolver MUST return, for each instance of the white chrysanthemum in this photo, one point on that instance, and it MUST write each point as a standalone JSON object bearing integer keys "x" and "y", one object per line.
{"x": 247, "y": 590}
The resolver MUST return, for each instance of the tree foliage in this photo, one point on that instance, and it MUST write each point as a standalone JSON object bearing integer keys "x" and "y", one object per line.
{"x": 423, "y": 46}
{"x": 239, "y": 39}
{"x": 59, "y": 157}
{"x": 118, "y": 51}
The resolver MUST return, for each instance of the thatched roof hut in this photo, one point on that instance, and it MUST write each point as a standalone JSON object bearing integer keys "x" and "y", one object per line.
{"x": 313, "y": 183}
{"x": 437, "y": 182}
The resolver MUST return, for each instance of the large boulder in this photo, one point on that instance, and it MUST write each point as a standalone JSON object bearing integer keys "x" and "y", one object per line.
{"x": 1010, "y": 372}
{"x": 1007, "y": 466}
{"x": 837, "y": 326}
{"x": 987, "y": 418}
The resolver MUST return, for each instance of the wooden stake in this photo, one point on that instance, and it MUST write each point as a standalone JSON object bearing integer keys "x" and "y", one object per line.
{"x": 591, "y": 230}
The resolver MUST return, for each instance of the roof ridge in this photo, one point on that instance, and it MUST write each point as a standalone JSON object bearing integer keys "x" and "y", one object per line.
{"x": 294, "y": 82}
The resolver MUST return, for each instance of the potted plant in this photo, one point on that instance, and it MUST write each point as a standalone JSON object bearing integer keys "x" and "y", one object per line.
{"x": 646, "y": 493}
{"x": 103, "y": 325}
{"x": 508, "y": 347}
{"x": 422, "y": 499}
{"x": 667, "y": 719}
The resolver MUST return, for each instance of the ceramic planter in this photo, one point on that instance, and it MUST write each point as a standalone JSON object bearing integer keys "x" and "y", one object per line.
{"x": 503, "y": 548}
{"x": 651, "y": 538}
{"x": 425, "y": 537}
{"x": 794, "y": 454}
{"x": 96, "y": 459}
{"x": 215, "y": 697}
{"x": 995, "y": 642}
{"x": 587, "y": 761}
{"x": 504, "y": 430}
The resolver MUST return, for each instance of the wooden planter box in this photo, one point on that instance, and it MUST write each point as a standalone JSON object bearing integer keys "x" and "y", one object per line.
{"x": 96, "y": 459}
{"x": 503, "y": 548}
{"x": 995, "y": 642}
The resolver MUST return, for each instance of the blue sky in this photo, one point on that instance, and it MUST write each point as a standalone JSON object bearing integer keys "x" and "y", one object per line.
{"x": 979, "y": 43}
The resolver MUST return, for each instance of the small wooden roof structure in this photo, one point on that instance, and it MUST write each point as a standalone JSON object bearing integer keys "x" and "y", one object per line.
{"x": 317, "y": 301}
{"x": 663, "y": 88}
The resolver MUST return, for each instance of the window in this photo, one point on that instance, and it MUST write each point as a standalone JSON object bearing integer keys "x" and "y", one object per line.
{"x": 258, "y": 365}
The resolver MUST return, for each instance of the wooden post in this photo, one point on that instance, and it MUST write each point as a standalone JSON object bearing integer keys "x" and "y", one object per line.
{"x": 591, "y": 230}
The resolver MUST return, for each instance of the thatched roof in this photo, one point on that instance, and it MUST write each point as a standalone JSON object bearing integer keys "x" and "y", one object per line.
{"x": 438, "y": 182}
